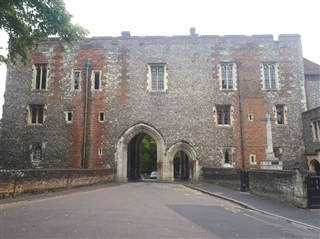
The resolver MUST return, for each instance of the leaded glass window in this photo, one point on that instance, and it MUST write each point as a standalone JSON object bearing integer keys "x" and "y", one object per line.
{"x": 223, "y": 115}
{"x": 272, "y": 77}
{"x": 230, "y": 77}
{"x": 224, "y": 77}
{"x": 157, "y": 74}
{"x": 269, "y": 73}
{"x": 38, "y": 152}
{"x": 41, "y": 77}
{"x": 266, "y": 77}
{"x": 227, "y": 76}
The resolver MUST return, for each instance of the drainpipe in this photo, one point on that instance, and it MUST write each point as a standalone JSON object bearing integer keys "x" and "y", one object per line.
{"x": 238, "y": 63}
{"x": 306, "y": 91}
{"x": 87, "y": 64}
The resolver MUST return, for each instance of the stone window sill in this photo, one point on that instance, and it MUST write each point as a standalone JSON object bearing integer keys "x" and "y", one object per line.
{"x": 271, "y": 90}
{"x": 157, "y": 91}
{"x": 227, "y": 90}
{"x": 223, "y": 126}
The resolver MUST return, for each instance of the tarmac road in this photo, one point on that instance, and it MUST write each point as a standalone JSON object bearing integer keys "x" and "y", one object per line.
{"x": 140, "y": 210}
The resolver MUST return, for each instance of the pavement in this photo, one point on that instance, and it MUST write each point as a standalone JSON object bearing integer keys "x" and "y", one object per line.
{"x": 309, "y": 218}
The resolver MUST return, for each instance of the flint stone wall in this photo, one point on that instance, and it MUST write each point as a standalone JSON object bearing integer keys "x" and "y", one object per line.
{"x": 226, "y": 177}
{"x": 183, "y": 113}
{"x": 286, "y": 186}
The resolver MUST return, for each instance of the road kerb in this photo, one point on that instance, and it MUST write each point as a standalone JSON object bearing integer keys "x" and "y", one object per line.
{"x": 255, "y": 209}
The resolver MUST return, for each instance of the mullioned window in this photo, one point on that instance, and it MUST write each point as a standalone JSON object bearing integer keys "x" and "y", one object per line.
{"x": 227, "y": 76}
{"x": 157, "y": 77}
{"x": 40, "y": 76}
{"x": 270, "y": 75}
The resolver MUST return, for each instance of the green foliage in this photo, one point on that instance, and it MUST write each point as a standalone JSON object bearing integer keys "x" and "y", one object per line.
{"x": 148, "y": 155}
{"x": 177, "y": 155}
{"x": 27, "y": 22}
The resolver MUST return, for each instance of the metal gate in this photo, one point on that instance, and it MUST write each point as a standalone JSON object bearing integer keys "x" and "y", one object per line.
{"x": 313, "y": 187}
{"x": 244, "y": 181}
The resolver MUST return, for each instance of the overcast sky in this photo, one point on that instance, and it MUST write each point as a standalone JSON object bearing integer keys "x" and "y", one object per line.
{"x": 209, "y": 17}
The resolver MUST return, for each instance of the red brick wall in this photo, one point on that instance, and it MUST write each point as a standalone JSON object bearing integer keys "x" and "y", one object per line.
{"x": 15, "y": 182}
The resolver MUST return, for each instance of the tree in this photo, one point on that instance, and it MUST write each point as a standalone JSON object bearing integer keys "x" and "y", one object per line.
{"x": 148, "y": 155}
{"x": 27, "y": 22}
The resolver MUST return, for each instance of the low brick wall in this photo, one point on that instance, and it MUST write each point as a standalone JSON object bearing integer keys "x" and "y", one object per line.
{"x": 15, "y": 182}
{"x": 226, "y": 177}
{"x": 281, "y": 185}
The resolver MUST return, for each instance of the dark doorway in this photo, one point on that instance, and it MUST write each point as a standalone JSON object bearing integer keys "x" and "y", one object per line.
{"x": 142, "y": 156}
{"x": 181, "y": 166}
{"x": 316, "y": 167}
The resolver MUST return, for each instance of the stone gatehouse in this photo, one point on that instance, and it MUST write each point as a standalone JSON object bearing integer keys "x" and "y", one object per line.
{"x": 91, "y": 105}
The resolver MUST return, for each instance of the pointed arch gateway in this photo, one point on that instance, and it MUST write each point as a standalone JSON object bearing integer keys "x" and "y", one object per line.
{"x": 127, "y": 147}
{"x": 131, "y": 139}
{"x": 189, "y": 165}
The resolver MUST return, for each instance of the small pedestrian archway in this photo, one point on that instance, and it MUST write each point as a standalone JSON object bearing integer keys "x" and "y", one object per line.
{"x": 315, "y": 166}
{"x": 183, "y": 161}
{"x": 128, "y": 153}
